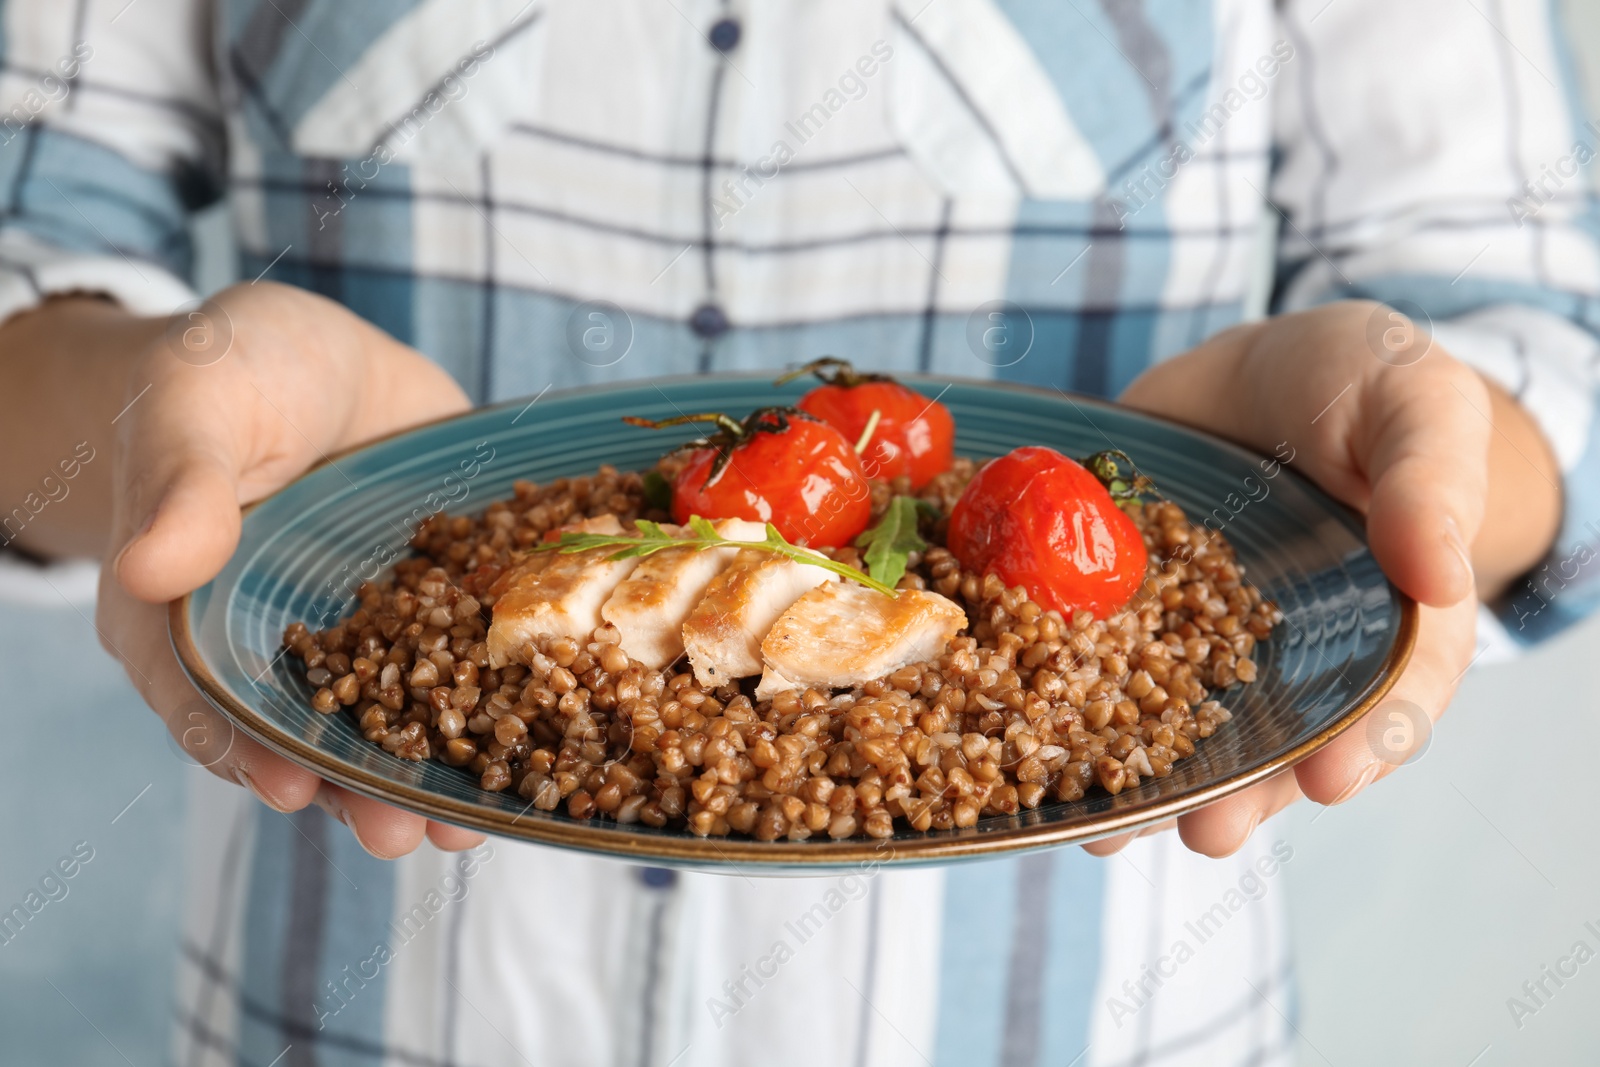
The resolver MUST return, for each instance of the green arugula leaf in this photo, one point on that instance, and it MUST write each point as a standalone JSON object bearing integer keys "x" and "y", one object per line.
{"x": 889, "y": 543}
{"x": 652, "y": 539}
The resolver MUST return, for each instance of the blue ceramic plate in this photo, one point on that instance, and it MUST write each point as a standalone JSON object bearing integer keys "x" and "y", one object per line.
{"x": 1346, "y": 632}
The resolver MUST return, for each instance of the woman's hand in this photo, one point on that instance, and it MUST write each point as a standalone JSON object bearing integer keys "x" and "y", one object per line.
{"x": 1459, "y": 489}
{"x": 224, "y": 411}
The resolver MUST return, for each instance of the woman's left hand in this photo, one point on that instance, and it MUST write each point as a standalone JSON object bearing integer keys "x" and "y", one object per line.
{"x": 1438, "y": 460}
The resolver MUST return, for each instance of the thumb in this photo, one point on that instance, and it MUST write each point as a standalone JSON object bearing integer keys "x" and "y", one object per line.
{"x": 1423, "y": 441}
{"x": 175, "y": 501}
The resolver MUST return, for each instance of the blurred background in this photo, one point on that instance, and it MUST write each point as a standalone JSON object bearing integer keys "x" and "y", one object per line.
{"x": 1418, "y": 910}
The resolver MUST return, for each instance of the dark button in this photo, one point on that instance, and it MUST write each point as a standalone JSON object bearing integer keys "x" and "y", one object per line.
{"x": 709, "y": 321}
{"x": 658, "y": 877}
{"x": 724, "y": 35}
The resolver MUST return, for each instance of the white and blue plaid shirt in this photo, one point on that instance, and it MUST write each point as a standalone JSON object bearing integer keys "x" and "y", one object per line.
{"x": 554, "y": 193}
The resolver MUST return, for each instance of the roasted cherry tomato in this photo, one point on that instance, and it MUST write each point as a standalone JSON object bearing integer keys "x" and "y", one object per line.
{"x": 1039, "y": 520}
{"x": 913, "y": 436}
{"x": 781, "y": 466}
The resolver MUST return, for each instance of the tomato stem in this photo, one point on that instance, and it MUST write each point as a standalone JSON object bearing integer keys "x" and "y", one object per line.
{"x": 726, "y": 423}
{"x": 833, "y": 371}
{"x": 1106, "y": 466}
{"x": 730, "y": 431}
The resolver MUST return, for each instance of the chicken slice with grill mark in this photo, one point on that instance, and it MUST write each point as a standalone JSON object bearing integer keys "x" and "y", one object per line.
{"x": 559, "y": 595}
{"x": 723, "y": 633}
{"x": 531, "y": 563}
{"x": 649, "y": 608}
{"x": 842, "y": 635}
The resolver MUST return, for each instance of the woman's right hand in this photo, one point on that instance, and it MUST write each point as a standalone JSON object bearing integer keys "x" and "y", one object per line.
{"x": 273, "y": 380}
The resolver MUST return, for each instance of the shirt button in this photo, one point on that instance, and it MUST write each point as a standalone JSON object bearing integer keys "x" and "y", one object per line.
{"x": 724, "y": 35}
{"x": 709, "y": 321}
{"x": 658, "y": 877}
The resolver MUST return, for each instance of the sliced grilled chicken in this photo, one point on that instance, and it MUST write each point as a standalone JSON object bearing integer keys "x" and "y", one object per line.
{"x": 532, "y": 563}
{"x": 843, "y": 634}
{"x": 650, "y": 606}
{"x": 561, "y": 597}
{"x": 724, "y": 630}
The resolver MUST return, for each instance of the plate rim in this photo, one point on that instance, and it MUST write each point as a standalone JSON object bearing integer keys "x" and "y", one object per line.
{"x": 686, "y": 848}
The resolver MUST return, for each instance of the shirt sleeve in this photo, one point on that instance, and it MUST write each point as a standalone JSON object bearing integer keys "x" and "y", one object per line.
{"x": 1437, "y": 156}
{"x": 110, "y": 136}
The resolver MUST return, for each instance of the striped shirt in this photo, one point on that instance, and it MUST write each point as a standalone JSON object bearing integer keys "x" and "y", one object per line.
{"x": 548, "y": 193}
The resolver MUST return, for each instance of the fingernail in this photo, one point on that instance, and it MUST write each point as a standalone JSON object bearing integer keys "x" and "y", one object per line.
{"x": 249, "y": 783}
{"x": 341, "y": 814}
{"x": 149, "y": 521}
{"x": 1454, "y": 541}
{"x": 1359, "y": 784}
{"x": 355, "y": 832}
